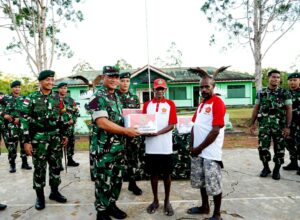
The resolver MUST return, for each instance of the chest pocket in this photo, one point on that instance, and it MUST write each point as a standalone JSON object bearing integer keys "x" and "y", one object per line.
{"x": 40, "y": 107}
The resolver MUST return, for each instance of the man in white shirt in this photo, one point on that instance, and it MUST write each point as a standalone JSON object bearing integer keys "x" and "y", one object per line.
{"x": 159, "y": 146}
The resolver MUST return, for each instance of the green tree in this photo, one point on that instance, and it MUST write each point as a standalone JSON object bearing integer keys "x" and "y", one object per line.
{"x": 122, "y": 64}
{"x": 283, "y": 78}
{"x": 36, "y": 25}
{"x": 259, "y": 23}
{"x": 173, "y": 57}
{"x": 82, "y": 66}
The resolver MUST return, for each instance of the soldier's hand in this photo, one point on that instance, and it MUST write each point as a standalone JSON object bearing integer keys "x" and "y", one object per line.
{"x": 64, "y": 141}
{"x": 28, "y": 149}
{"x": 17, "y": 121}
{"x": 252, "y": 129}
{"x": 131, "y": 132}
{"x": 286, "y": 132}
{"x": 71, "y": 122}
{"x": 8, "y": 118}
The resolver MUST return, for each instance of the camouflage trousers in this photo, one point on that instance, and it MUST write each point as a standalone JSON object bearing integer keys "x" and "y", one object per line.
{"x": 265, "y": 134}
{"x": 108, "y": 171}
{"x": 11, "y": 137}
{"x": 293, "y": 144}
{"x": 46, "y": 148}
{"x": 132, "y": 148}
{"x": 71, "y": 145}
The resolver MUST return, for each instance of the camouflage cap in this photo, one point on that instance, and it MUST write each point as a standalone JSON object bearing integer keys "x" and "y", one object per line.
{"x": 62, "y": 84}
{"x": 125, "y": 75}
{"x": 111, "y": 70}
{"x": 294, "y": 75}
{"x": 45, "y": 73}
{"x": 15, "y": 83}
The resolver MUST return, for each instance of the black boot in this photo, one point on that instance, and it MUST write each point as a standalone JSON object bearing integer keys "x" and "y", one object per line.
{"x": 266, "y": 170}
{"x": 55, "y": 195}
{"x": 293, "y": 165}
{"x": 72, "y": 163}
{"x": 2, "y": 207}
{"x": 134, "y": 188}
{"x": 12, "y": 168}
{"x": 115, "y": 212}
{"x": 298, "y": 172}
{"x": 276, "y": 174}
{"x": 25, "y": 164}
{"x": 102, "y": 215}
{"x": 40, "y": 199}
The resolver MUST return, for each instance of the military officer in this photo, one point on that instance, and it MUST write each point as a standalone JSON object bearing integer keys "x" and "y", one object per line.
{"x": 293, "y": 142}
{"x": 107, "y": 145}
{"x": 132, "y": 145}
{"x": 44, "y": 135}
{"x": 70, "y": 108}
{"x": 273, "y": 111}
{"x": 11, "y": 104}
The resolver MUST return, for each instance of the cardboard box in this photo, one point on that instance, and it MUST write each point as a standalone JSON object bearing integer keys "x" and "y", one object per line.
{"x": 127, "y": 111}
{"x": 145, "y": 123}
{"x": 184, "y": 124}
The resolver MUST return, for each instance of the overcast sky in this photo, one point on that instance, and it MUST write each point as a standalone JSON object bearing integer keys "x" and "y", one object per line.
{"x": 116, "y": 29}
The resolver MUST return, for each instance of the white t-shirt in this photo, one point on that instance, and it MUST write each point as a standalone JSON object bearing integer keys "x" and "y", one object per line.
{"x": 165, "y": 111}
{"x": 208, "y": 114}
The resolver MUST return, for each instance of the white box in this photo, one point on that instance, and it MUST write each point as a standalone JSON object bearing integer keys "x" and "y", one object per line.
{"x": 145, "y": 123}
{"x": 184, "y": 124}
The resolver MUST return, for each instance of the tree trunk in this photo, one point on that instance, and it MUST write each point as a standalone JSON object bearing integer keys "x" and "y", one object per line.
{"x": 257, "y": 24}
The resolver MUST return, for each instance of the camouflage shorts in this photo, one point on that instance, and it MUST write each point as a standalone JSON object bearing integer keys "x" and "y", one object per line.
{"x": 206, "y": 173}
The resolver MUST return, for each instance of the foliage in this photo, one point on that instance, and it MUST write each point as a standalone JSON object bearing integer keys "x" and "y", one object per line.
{"x": 27, "y": 86}
{"x": 36, "y": 26}
{"x": 82, "y": 66}
{"x": 283, "y": 78}
{"x": 173, "y": 58}
{"x": 259, "y": 23}
{"x": 122, "y": 64}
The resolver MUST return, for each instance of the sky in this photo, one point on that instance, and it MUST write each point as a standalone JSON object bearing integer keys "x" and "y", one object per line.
{"x": 116, "y": 29}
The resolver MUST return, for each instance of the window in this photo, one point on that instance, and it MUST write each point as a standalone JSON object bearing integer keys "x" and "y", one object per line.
{"x": 177, "y": 93}
{"x": 236, "y": 91}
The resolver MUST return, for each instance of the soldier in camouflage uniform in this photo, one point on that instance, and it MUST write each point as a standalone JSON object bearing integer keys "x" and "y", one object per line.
{"x": 273, "y": 111}
{"x": 11, "y": 105}
{"x": 293, "y": 141}
{"x": 132, "y": 145}
{"x": 44, "y": 135}
{"x": 107, "y": 145}
{"x": 71, "y": 111}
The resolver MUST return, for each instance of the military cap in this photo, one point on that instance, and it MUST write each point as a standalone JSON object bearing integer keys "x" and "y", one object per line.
{"x": 15, "y": 83}
{"x": 45, "y": 73}
{"x": 125, "y": 75}
{"x": 294, "y": 75}
{"x": 62, "y": 84}
{"x": 110, "y": 70}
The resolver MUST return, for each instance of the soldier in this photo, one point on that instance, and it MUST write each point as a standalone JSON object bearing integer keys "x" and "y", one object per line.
{"x": 293, "y": 142}
{"x": 273, "y": 111}
{"x": 132, "y": 145}
{"x": 11, "y": 105}
{"x": 107, "y": 145}
{"x": 44, "y": 135}
{"x": 71, "y": 110}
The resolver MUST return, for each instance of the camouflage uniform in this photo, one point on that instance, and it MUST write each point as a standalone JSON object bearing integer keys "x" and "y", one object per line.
{"x": 108, "y": 164}
{"x": 272, "y": 119}
{"x": 11, "y": 132}
{"x": 42, "y": 126}
{"x": 132, "y": 145}
{"x": 293, "y": 143}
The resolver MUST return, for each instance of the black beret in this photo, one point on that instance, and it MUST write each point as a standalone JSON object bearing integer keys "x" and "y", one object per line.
{"x": 15, "y": 83}
{"x": 62, "y": 84}
{"x": 294, "y": 75}
{"x": 110, "y": 70}
{"x": 46, "y": 73}
{"x": 125, "y": 75}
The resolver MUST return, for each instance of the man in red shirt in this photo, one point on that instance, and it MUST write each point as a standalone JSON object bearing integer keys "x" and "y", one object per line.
{"x": 159, "y": 146}
{"x": 206, "y": 150}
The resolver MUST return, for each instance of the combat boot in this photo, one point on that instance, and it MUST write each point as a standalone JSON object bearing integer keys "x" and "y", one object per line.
{"x": 25, "y": 165}
{"x": 266, "y": 170}
{"x": 2, "y": 207}
{"x": 102, "y": 215}
{"x": 134, "y": 188}
{"x": 115, "y": 212}
{"x": 293, "y": 165}
{"x": 12, "y": 168}
{"x": 298, "y": 172}
{"x": 40, "y": 199}
{"x": 72, "y": 163}
{"x": 55, "y": 195}
{"x": 276, "y": 174}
